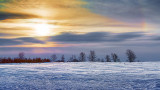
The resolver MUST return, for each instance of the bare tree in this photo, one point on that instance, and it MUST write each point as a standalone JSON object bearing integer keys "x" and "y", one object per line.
{"x": 62, "y": 58}
{"x": 21, "y": 55}
{"x": 98, "y": 60}
{"x": 92, "y": 56}
{"x": 73, "y": 59}
{"x": 108, "y": 59}
{"x": 115, "y": 57}
{"x": 130, "y": 55}
{"x": 82, "y": 57}
{"x": 54, "y": 57}
{"x": 102, "y": 60}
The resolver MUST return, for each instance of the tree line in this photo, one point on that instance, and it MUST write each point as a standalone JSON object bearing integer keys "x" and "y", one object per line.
{"x": 131, "y": 57}
{"x": 21, "y": 59}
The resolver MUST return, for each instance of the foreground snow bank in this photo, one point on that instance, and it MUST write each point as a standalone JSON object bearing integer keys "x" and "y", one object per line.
{"x": 81, "y": 76}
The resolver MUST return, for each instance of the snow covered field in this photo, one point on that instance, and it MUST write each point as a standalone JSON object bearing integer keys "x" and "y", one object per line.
{"x": 80, "y": 76}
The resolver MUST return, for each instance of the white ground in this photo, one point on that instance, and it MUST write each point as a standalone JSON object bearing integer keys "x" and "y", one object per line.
{"x": 80, "y": 76}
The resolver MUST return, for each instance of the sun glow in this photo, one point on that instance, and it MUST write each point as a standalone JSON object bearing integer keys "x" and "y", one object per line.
{"x": 42, "y": 29}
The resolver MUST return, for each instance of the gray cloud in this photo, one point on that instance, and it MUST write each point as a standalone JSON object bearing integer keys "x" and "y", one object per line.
{"x": 4, "y": 34}
{"x": 94, "y": 37}
{"x": 19, "y": 41}
{"x": 8, "y": 42}
{"x": 129, "y": 35}
{"x": 156, "y": 38}
{"x": 8, "y": 15}
{"x": 30, "y": 40}
{"x": 127, "y": 10}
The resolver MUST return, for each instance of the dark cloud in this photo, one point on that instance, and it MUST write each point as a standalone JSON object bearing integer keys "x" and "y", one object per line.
{"x": 19, "y": 41}
{"x": 94, "y": 37}
{"x": 30, "y": 40}
{"x": 156, "y": 38}
{"x": 8, "y": 42}
{"x": 8, "y": 15}
{"x": 129, "y": 35}
{"x": 71, "y": 37}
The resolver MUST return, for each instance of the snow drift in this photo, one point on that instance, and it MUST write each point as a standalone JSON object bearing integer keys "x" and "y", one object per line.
{"x": 80, "y": 76}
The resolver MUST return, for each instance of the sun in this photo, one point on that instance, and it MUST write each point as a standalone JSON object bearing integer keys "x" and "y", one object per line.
{"x": 42, "y": 29}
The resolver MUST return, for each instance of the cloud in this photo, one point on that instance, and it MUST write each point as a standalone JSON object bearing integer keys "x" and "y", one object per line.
{"x": 127, "y": 10}
{"x": 72, "y": 11}
{"x": 5, "y": 34}
{"x": 19, "y": 41}
{"x": 94, "y": 37}
{"x": 8, "y": 42}
{"x": 30, "y": 40}
{"x": 8, "y": 15}
{"x": 156, "y": 38}
{"x": 65, "y": 15}
{"x": 128, "y": 35}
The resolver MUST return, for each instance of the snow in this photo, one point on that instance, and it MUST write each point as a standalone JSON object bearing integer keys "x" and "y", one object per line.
{"x": 80, "y": 76}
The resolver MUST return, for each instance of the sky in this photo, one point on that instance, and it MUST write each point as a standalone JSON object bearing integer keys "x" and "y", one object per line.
{"x": 40, "y": 28}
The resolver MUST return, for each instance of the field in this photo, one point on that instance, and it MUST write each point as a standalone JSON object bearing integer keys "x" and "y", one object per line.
{"x": 80, "y": 76}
